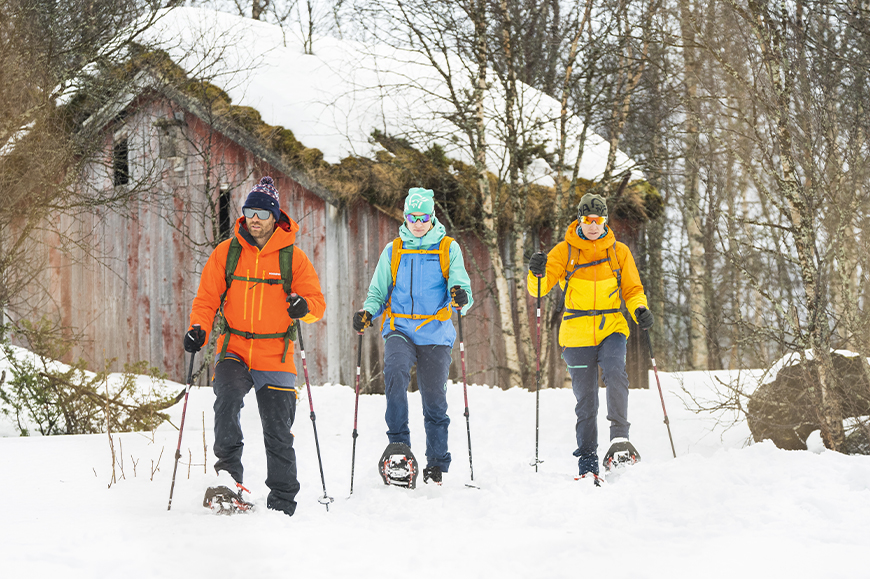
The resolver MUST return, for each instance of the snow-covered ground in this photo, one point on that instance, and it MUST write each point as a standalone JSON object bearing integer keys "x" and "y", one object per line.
{"x": 722, "y": 508}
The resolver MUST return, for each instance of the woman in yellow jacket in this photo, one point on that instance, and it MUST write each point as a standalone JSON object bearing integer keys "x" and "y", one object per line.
{"x": 597, "y": 273}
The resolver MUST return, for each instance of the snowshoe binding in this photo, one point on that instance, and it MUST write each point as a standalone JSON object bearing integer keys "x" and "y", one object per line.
{"x": 596, "y": 479}
{"x": 432, "y": 473}
{"x": 621, "y": 454}
{"x": 224, "y": 501}
{"x": 398, "y": 467}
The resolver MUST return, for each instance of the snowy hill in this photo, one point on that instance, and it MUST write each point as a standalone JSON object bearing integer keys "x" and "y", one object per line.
{"x": 719, "y": 510}
{"x": 333, "y": 99}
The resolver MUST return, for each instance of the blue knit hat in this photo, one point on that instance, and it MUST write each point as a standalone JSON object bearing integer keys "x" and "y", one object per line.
{"x": 420, "y": 200}
{"x": 264, "y": 196}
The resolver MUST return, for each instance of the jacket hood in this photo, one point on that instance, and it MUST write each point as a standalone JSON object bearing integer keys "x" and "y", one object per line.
{"x": 432, "y": 237}
{"x": 284, "y": 234}
{"x": 573, "y": 238}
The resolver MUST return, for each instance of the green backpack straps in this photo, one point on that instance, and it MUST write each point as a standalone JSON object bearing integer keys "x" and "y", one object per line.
{"x": 233, "y": 255}
{"x": 285, "y": 262}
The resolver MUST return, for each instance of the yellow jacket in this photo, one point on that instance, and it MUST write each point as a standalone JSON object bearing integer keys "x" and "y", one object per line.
{"x": 592, "y": 296}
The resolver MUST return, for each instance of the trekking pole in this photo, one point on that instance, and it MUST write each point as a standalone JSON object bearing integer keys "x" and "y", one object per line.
{"x": 661, "y": 396}
{"x": 465, "y": 394}
{"x": 325, "y": 499}
{"x": 536, "y": 462}
{"x": 355, "y": 408}
{"x": 181, "y": 426}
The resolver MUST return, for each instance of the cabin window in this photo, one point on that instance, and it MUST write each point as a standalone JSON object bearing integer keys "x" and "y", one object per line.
{"x": 225, "y": 224}
{"x": 121, "y": 162}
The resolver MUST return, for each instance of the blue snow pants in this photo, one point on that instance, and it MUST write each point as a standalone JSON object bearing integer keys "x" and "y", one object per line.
{"x": 433, "y": 365}
{"x": 583, "y": 366}
{"x": 276, "y": 401}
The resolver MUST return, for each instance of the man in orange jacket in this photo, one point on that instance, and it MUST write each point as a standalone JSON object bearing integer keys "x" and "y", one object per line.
{"x": 256, "y": 343}
{"x": 597, "y": 273}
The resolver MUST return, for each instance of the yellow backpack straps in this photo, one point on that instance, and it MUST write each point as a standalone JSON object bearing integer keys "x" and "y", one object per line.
{"x": 394, "y": 269}
{"x": 444, "y": 248}
{"x": 397, "y": 257}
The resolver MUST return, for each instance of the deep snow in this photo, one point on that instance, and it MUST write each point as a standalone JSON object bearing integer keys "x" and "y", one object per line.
{"x": 721, "y": 509}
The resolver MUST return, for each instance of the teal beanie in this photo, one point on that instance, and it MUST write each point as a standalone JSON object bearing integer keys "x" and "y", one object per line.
{"x": 420, "y": 200}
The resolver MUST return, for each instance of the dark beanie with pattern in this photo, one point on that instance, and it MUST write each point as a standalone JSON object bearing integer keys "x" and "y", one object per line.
{"x": 264, "y": 196}
{"x": 592, "y": 204}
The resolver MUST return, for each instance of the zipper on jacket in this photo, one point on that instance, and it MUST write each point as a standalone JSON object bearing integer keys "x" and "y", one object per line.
{"x": 594, "y": 295}
{"x": 253, "y": 306}
{"x": 411, "y": 290}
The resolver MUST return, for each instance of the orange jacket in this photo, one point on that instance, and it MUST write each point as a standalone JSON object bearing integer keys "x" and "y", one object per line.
{"x": 259, "y": 308}
{"x": 593, "y": 288}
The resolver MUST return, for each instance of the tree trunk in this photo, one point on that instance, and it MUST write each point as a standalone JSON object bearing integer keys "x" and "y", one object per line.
{"x": 512, "y": 363}
{"x": 691, "y": 211}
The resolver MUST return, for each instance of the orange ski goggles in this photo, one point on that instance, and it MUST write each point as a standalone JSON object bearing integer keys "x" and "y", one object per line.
{"x": 589, "y": 220}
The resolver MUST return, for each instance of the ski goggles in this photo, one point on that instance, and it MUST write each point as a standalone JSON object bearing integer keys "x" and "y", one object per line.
{"x": 589, "y": 220}
{"x": 418, "y": 218}
{"x": 262, "y": 214}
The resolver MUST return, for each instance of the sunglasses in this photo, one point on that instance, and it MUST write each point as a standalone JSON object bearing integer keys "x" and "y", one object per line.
{"x": 589, "y": 220}
{"x": 262, "y": 214}
{"x": 418, "y": 218}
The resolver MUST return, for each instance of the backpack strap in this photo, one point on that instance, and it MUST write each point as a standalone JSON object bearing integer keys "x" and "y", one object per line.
{"x": 617, "y": 271}
{"x": 570, "y": 314}
{"x": 233, "y": 255}
{"x": 285, "y": 261}
{"x": 443, "y": 250}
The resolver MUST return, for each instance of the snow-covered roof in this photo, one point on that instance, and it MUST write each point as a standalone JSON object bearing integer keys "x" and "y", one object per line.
{"x": 333, "y": 99}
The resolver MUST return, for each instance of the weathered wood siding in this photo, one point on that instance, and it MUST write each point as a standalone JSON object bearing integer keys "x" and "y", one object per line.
{"x": 127, "y": 292}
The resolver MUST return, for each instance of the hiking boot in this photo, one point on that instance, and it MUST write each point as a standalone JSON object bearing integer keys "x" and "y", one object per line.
{"x": 433, "y": 473}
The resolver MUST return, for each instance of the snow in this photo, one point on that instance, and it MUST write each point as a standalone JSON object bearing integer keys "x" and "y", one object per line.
{"x": 333, "y": 99}
{"x": 722, "y": 508}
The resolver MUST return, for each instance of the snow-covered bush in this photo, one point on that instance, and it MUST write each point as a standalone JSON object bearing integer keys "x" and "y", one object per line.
{"x": 40, "y": 394}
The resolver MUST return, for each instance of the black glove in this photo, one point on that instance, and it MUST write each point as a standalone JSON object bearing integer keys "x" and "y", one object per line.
{"x": 644, "y": 318}
{"x": 538, "y": 264}
{"x": 361, "y": 320}
{"x": 194, "y": 339}
{"x": 298, "y": 307}
{"x": 458, "y": 297}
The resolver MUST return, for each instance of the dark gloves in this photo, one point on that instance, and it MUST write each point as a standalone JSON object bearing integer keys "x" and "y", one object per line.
{"x": 458, "y": 297}
{"x": 538, "y": 264}
{"x": 361, "y": 320}
{"x": 644, "y": 318}
{"x": 298, "y": 307}
{"x": 194, "y": 339}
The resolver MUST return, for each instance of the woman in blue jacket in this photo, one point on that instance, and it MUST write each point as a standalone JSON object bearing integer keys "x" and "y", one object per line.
{"x": 410, "y": 287}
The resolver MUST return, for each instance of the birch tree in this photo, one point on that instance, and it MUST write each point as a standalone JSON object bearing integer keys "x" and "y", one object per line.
{"x": 803, "y": 77}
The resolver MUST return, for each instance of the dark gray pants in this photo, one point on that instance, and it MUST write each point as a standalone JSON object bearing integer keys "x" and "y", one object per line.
{"x": 277, "y": 406}
{"x": 583, "y": 366}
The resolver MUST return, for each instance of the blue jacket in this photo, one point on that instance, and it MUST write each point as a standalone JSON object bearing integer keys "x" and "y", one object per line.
{"x": 420, "y": 287}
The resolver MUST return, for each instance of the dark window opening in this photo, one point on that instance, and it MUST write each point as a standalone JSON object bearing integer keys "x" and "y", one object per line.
{"x": 224, "y": 213}
{"x": 121, "y": 163}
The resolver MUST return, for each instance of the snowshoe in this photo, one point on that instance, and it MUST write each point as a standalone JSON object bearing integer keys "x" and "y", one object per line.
{"x": 432, "y": 473}
{"x": 224, "y": 501}
{"x": 590, "y": 476}
{"x": 621, "y": 454}
{"x": 398, "y": 467}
